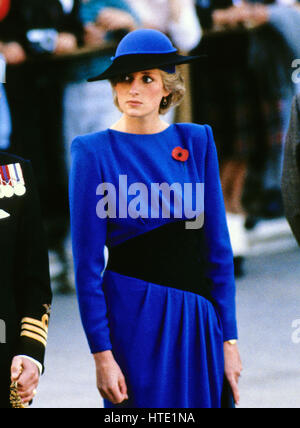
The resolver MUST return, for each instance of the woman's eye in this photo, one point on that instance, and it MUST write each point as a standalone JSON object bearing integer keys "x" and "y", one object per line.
{"x": 147, "y": 79}
{"x": 125, "y": 78}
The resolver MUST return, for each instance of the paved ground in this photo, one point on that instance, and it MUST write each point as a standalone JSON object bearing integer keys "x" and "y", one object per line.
{"x": 268, "y": 302}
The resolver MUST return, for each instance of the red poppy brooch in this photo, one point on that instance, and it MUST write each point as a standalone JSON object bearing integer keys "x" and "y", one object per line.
{"x": 180, "y": 154}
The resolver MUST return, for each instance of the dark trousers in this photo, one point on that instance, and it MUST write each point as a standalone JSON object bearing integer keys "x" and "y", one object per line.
{"x": 4, "y": 401}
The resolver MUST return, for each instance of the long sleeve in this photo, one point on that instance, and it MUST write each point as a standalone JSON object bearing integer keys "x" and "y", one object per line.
{"x": 88, "y": 241}
{"x": 220, "y": 255}
{"x": 291, "y": 172}
{"x": 34, "y": 294}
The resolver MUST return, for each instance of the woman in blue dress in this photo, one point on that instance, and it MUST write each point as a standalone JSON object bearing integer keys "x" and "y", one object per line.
{"x": 153, "y": 261}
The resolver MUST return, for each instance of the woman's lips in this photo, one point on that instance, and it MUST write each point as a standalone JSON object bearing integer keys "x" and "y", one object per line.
{"x": 134, "y": 103}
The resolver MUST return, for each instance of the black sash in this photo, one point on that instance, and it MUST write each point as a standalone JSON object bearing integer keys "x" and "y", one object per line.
{"x": 169, "y": 255}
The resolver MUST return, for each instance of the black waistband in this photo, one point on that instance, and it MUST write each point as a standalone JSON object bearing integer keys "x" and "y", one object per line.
{"x": 169, "y": 255}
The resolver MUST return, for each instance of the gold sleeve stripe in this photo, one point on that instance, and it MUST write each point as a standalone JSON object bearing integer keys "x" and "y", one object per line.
{"x": 34, "y": 336}
{"x": 35, "y": 330}
{"x": 40, "y": 324}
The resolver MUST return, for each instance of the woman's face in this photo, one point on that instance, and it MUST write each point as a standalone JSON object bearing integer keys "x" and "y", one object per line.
{"x": 140, "y": 94}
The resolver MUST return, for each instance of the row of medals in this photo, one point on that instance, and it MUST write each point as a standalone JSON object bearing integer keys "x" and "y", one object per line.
{"x": 8, "y": 190}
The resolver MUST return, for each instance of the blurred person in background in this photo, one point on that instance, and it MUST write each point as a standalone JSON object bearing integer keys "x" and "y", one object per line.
{"x": 176, "y": 18}
{"x": 41, "y": 31}
{"x": 11, "y": 53}
{"x": 246, "y": 91}
{"x": 103, "y": 21}
{"x": 291, "y": 171}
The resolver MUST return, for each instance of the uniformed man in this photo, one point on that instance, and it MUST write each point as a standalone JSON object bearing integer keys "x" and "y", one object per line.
{"x": 25, "y": 293}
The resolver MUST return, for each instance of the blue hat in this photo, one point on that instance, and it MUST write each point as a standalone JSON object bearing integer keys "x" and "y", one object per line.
{"x": 141, "y": 50}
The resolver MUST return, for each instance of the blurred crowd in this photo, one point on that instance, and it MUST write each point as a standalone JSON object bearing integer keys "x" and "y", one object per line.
{"x": 243, "y": 89}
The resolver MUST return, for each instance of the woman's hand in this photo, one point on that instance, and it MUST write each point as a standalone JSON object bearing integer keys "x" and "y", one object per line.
{"x": 247, "y": 15}
{"x": 66, "y": 42}
{"x": 94, "y": 35}
{"x": 13, "y": 52}
{"x": 110, "y": 379}
{"x": 233, "y": 368}
{"x": 260, "y": 14}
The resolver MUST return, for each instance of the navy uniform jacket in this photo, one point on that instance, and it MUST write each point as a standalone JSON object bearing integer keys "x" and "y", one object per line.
{"x": 25, "y": 293}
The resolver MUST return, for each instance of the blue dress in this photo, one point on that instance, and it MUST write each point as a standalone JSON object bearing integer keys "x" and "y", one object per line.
{"x": 167, "y": 340}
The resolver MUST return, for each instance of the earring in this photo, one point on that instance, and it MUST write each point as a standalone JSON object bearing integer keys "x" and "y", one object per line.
{"x": 165, "y": 102}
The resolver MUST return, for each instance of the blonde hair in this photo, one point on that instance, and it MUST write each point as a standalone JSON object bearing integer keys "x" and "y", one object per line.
{"x": 173, "y": 83}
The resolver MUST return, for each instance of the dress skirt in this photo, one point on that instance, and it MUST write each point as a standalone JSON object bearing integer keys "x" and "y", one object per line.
{"x": 167, "y": 342}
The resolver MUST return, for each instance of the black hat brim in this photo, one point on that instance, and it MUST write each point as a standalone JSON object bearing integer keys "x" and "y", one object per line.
{"x": 137, "y": 62}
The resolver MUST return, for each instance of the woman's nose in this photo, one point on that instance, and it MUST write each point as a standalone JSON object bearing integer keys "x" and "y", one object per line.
{"x": 135, "y": 87}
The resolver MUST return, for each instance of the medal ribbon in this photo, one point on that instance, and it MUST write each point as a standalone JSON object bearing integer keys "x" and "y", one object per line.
{"x": 16, "y": 172}
{"x": 1, "y": 175}
{"x": 12, "y": 175}
{"x": 6, "y": 174}
{"x": 15, "y": 178}
{"x": 19, "y": 173}
{"x": 5, "y": 177}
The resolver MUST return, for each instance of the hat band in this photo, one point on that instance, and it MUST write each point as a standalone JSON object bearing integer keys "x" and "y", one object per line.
{"x": 165, "y": 62}
{"x": 113, "y": 58}
{"x": 147, "y": 60}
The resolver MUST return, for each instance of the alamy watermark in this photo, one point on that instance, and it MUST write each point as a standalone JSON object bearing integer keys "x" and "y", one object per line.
{"x": 138, "y": 201}
{"x": 2, "y": 69}
{"x": 2, "y": 332}
{"x": 296, "y": 73}
{"x": 296, "y": 332}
